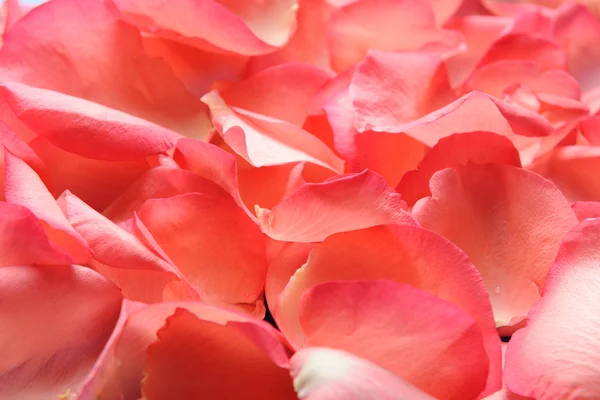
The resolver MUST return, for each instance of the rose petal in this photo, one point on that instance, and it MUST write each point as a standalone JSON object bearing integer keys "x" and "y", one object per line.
{"x": 384, "y": 322}
{"x": 321, "y": 373}
{"x": 254, "y": 27}
{"x": 119, "y": 370}
{"x": 342, "y": 204}
{"x": 459, "y": 149}
{"x": 265, "y": 141}
{"x": 512, "y": 247}
{"x": 389, "y": 25}
{"x": 428, "y": 261}
{"x": 23, "y": 239}
{"x": 79, "y": 48}
{"x": 55, "y": 322}
{"x": 24, "y": 187}
{"x": 219, "y": 250}
{"x": 556, "y": 354}
{"x": 586, "y": 209}
{"x": 230, "y": 364}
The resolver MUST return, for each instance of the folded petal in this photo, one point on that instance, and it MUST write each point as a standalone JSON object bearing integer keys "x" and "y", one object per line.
{"x": 556, "y": 355}
{"x": 265, "y": 141}
{"x": 389, "y": 25}
{"x": 254, "y": 27}
{"x": 459, "y": 149}
{"x": 512, "y": 246}
{"x": 24, "y": 241}
{"x": 85, "y": 128}
{"x": 55, "y": 322}
{"x": 119, "y": 255}
{"x": 318, "y": 210}
{"x": 237, "y": 343}
{"x": 404, "y": 254}
{"x": 384, "y": 322}
{"x": 219, "y": 250}
{"x": 24, "y": 187}
{"x": 322, "y": 373}
{"x": 79, "y": 48}
{"x": 586, "y": 209}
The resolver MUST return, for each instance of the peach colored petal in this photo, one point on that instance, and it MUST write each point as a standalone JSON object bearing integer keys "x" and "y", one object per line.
{"x": 219, "y": 250}
{"x": 315, "y": 211}
{"x": 322, "y": 373}
{"x": 119, "y": 370}
{"x": 586, "y": 209}
{"x": 55, "y": 322}
{"x": 265, "y": 141}
{"x": 556, "y": 355}
{"x": 404, "y": 254}
{"x": 158, "y": 183}
{"x": 23, "y": 239}
{"x": 85, "y": 128}
{"x": 230, "y": 360}
{"x": 510, "y": 223}
{"x": 573, "y": 170}
{"x": 308, "y": 44}
{"x": 389, "y": 25}
{"x": 284, "y": 92}
{"x": 385, "y": 322}
{"x": 459, "y": 149}
{"x": 79, "y": 48}
{"x": 253, "y": 27}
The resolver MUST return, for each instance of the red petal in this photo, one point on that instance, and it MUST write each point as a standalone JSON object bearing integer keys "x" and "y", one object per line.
{"x": 321, "y": 373}
{"x": 253, "y": 27}
{"x": 219, "y": 250}
{"x": 216, "y": 361}
{"x": 586, "y": 209}
{"x": 55, "y": 322}
{"x": 459, "y": 149}
{"x": 384, "y": 322}
{"x": 428, "y": 261}
{"x": 556, "y": 355}
{"x": 342, "y": 204}
{"x": 512, "y": 247}
{"x": 59, "y": 47}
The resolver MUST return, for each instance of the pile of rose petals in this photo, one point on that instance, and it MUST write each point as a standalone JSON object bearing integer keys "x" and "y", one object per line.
{"x": 300, "y": 199}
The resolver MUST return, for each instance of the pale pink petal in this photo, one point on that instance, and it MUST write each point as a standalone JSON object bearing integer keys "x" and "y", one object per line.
{"x": 432, "y": 344}
{"x": 556, "y": 355}
{"x": 55, "y": 322}
{"x": 342, "y": 204}
{"x": 322, "y": 373}
{"x": 510, "y": 223}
